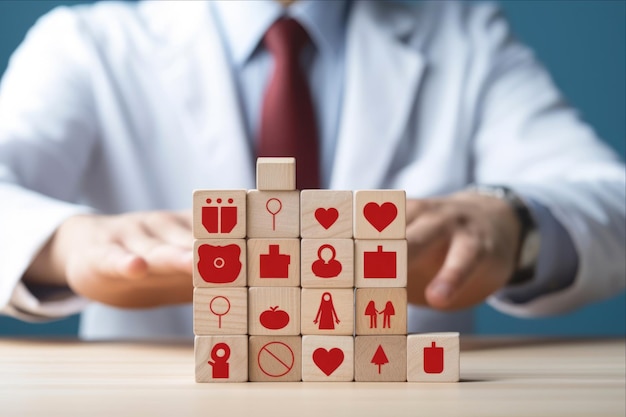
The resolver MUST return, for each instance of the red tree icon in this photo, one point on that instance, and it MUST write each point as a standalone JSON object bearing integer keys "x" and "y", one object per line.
{"x": 379, "y": 358}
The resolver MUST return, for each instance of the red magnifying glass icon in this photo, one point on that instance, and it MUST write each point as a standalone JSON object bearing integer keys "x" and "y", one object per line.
{"x": 220, "y": 306}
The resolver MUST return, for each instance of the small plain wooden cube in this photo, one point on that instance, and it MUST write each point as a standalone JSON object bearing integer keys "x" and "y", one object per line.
{"x": 274, "y": 262}
{"x": 273, "y": 214}
{"x": 380, "y": 214}
{"x": 381, "y": 311}
{"x": 276, "y": 174}
{"x": 220, "y": 311}
{"x": 380, "y": 263}
{"x": 275, "y": 359}
{"x": 327, "y": 311}
{"x": 433, "y": 357}
{"x": 327, "y": 358}
{"x": 327, "y": 263}
{"x": 221, "y": 358}
{"x": 219, "y": 263}
{"x": 326, "y": 214}
{"x": 219, "y": 214}
{"x": 380, "y": 358}
{"x": 274, "y": 311}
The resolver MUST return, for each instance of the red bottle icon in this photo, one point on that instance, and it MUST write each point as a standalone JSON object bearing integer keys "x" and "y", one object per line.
{"x": 219, "y": 361}
{"x": 219, "y": 264}
{"x": 219, "y": 219}
{"x": 433, "y": 359}
{"x": 274, "y": 264}
{"x": 325, "y": 266}
{"x": 379, "y": 264}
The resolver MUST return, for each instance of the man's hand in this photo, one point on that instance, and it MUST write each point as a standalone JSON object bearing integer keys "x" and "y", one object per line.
{"x": 135, "y": 260}
{"x": 462, "y": 248}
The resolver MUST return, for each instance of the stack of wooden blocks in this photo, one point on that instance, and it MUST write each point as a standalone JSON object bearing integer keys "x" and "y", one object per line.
{"x": 275, "y": 275}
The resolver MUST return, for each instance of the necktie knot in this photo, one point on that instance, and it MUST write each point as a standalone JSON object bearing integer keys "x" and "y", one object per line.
{"x": 285, "y": 38}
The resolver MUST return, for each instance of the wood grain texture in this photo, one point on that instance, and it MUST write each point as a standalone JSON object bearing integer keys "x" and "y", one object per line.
{"x": 371, "y": 211}
{"x": 222, "y": 351}
{"x": 327, "y": 358}
{"x": 326, "y": 214}
{"x": 220, "y": 311}
{"x": 375, "y": 258}
{"x": 322, "y": 258}
{"x": 273, "y": 262}
{"x": 268, "y": 308}
{"x": 275, "y": 359}
{"x": 276, "y": 174}
{"x": 221, "y": 208}
{"x": 216, "y": 262}
{"x": 433, "y": 363}
{"x": 322, "y": 308}
{"x": 273, "y": 214}
{"x": 381, "y": 311}
{"x": 380, "y": 358}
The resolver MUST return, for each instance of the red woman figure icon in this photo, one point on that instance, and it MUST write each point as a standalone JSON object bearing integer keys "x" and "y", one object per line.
{"x": 326, "y": 314}
{"x": 387, "y": 313}
{"x": 371, "y": 311}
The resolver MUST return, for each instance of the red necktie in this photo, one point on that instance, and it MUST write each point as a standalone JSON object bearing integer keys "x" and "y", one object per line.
{"x": 288, "y": 124}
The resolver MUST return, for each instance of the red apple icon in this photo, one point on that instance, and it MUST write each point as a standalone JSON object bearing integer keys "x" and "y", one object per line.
{"x": 274, "y": 318}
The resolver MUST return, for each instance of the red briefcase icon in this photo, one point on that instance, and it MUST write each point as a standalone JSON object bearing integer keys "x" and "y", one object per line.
{"x": 219, "y": 219}
{"x": 326, "y": 267}
{"x": 433, "y": 359}
{"x": 274, "y": 264}
{"x": 379, "y": 264}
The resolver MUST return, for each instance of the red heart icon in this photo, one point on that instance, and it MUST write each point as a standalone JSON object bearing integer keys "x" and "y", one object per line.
{"x": 326, "y": 217}
{"x": 380, "y": 216}
{"x": 328, "y": 360}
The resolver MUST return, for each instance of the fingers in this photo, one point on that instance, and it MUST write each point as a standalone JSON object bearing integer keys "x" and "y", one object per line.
{"x": 466, "y": 251}
{"x": 173, "y": 228}
{"x": 160, "y": 256}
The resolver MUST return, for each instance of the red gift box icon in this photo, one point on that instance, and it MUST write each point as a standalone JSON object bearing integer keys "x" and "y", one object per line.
{"x": 274, "y": 264}
{"x": 433, "y": 359}
{"x": 219, "y": 264}
{"x": 379, "y": 264}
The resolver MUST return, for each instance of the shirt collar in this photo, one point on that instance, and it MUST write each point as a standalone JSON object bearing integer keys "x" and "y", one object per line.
{"x": 244, "y": 23}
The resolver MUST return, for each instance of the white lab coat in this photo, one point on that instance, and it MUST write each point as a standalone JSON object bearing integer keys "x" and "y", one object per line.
{"x": 123, "y": 107}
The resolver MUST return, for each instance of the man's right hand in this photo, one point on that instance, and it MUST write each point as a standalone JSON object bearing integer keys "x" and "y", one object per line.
{"x": 135, "y": 260}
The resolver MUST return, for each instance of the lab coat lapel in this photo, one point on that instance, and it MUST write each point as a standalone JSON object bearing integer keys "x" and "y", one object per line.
{"x": 382, "y": 78}
{"x": 204, "y": 89}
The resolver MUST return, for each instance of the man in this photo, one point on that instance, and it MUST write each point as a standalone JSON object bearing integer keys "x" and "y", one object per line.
{"x": 111, "y": 114}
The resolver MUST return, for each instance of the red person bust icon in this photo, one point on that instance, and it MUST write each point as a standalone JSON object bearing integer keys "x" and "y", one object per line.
{"x": 326, "y": 317}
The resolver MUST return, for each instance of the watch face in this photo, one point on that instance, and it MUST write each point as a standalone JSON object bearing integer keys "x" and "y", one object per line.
{"x": 530, "y": 250}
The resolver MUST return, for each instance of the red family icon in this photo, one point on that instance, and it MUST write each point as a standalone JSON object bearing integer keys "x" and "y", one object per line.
{"x": 326, "y": 317}
{"x": 372, "y": 311}
{"x": 219, "y": 219}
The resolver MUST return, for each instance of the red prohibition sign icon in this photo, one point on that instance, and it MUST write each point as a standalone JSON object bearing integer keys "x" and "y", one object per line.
{"x": 275, "y": 359}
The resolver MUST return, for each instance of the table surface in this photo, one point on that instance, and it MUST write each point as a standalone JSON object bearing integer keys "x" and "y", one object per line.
{"x": 500, "y": 377}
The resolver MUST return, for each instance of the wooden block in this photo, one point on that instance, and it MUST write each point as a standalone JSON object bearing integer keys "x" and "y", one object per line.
{"x": 381, "y": 311}
{"x": 221, "y": 358}
{"x": 274, "y": 311}
{"x": 219, "y": 214}
{"x": 380, "y": 358}
{"x": 276, "y": 174}
{"x": 327, "y": 263}
{"x": 327, "y": 311}
{"x": 273, "y": 214}
{"x": 275, "y": 359}
{"x": 433, "y": 357}
{"x": 380, "y": 214}
{"x": 380, "y": 263}
{"x": 220, "y": 311}
{"x": 327, "y": 358}
{"x": 326, "y": 214}
{"x": 274, "y": 262}
{"x": 219, "y": 263}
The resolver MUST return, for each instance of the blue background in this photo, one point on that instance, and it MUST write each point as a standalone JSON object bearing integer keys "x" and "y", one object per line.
{"x": 583, "y": 45}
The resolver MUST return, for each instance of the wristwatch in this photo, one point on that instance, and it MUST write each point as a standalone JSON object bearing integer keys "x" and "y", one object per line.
{"x": 529, "y": 239}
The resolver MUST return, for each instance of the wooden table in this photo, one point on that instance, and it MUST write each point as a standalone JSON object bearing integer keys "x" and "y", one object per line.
{"x": 500, "y": 377}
